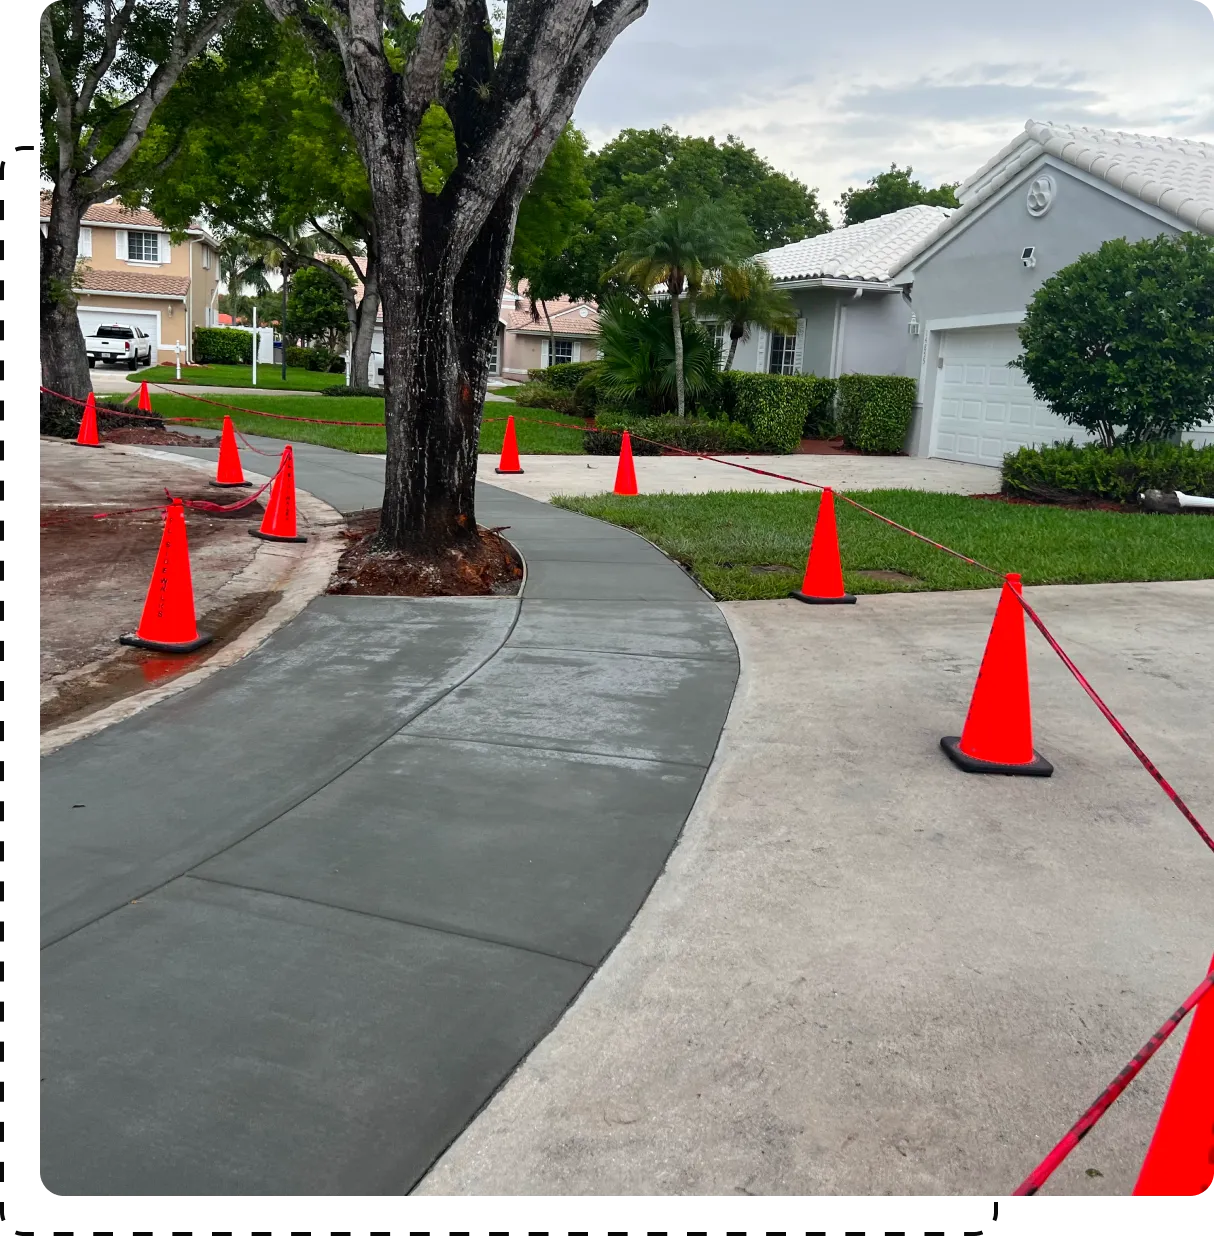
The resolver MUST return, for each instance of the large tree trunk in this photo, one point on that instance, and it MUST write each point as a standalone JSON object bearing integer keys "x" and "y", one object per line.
{"x": 680, "y": 393}
{"x": 65, "y": 365}
{"x": 735, "y": 334}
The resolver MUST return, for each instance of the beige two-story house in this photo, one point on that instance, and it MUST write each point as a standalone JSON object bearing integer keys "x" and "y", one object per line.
{"x": 132, "y": 274}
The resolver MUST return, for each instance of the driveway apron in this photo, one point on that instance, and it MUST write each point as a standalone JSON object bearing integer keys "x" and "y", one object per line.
{"x": 301, "y": 921}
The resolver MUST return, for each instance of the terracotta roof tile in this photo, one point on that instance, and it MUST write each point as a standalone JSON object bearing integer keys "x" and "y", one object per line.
{"x": 113, "y": 212}
{"x": 134, "y": 281}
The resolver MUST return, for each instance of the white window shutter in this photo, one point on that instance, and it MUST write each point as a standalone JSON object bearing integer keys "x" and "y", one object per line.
{"x": 762, "y": 364}
{"x": 799, "y": 352}
{"x": 164, "y": 250}
{"x": 120, "y": 251}
{"x": 544, "y": 358}
{"x": 85, "y": 248}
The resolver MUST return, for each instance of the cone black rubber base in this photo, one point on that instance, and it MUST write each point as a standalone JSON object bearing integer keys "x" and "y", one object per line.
{"x": 232, "y": 484}
{"x": 269, "y": 536}
{"x": 845, "y": 599}
{"x": 509, "y": 471}
{"x": 153, "y": 645}
{"x": 1038, "y": 767}
{"x": 96, "y": 446}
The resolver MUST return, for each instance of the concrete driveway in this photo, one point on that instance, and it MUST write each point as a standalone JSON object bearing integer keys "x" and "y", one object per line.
{"x": 546, "y": 475}
{"x": 866, "y": 972}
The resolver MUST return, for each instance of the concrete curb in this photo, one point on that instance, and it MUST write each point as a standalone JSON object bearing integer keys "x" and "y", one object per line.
{"x": 309, "y": 578}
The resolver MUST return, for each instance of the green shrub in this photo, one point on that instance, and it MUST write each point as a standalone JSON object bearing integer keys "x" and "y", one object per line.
{"x": 774, "y": 407}
{"x": 298, "y": 358}
{"x": 324, "y": 360}
{"x": 689, "y": 434}
{"x": 563, "y": 377}
{"x": 875, "y": 411}
{"x": 1116, "y": 474}
{"x": 362, "y": 392}
{"x": 541, "y": 395}
{"x": 218, "y": 345}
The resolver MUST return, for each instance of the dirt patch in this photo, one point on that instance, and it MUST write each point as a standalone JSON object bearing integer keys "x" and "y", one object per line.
{"x": 824, "y": 446}
{"x": 1069, "y": 502}
{"x": 493, "y": 568}
{"x": 153, "y": 437}
{"x": 889, "y": 577}
{"x": 132, "y": 670}
{"x": 771, "y": 568}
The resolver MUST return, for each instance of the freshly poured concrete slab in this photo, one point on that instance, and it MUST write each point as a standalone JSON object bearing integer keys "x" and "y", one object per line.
{"x": 568, "y": 580}
{"x": 216, "y": 1040}
{"x": 636, "y": 707}
{"x": 546, "y": 850}
{"x": 145, "y": 800}
{"x": 657, "y": 629}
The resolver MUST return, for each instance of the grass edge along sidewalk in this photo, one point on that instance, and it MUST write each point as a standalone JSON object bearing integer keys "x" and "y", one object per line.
{"x": 752, "y": 545}
{"x": 533, "y": 439}
{"x": 269, "y": 377}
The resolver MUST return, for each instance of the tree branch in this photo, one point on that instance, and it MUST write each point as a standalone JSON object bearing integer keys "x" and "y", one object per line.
{"x": 424, "y": 70}
{"x": 339, "y": 244}
{"x": 92, "y": 79}
{"x": 64, "y": 133}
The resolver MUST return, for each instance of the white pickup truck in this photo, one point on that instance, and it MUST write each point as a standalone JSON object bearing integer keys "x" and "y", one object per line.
{"x": 119, "y": 345}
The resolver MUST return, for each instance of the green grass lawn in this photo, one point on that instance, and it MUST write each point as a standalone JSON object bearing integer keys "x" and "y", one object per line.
{"x": 532, "y": 439}
{"x": 269, "y": 377}
{"x": 723, "y": 537}
{"x": 507, "y": 391}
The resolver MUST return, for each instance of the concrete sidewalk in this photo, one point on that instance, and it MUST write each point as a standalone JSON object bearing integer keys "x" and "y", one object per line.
{"x": 866, "y": 972}
{"x": 300, "y": 921}
{"x": 547, "y": 475}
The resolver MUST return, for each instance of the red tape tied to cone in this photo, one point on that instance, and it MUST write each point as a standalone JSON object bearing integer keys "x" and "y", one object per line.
{"x": 87, "y": 434}
{"x": 278, "y": 523}
{"x": 229, "y": 475}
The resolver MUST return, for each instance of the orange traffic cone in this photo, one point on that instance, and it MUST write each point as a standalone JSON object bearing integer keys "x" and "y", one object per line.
{"x": 145, "y": 400}
{"x": 230, "y": 474}
{"x": 278, "y": 523}
{"x": 823, "y": 583}
{"x": 509, "y": 464}
{"x": 88, "y": 424}
{"x": 1180, "y": 1158}
{"x": 625, "y": 472}
{"x": 168, "y": 623}
{"x": 998, "y": 734}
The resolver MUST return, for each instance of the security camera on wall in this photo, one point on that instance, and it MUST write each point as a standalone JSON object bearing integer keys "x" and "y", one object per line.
{"x": 1029, "y": 257}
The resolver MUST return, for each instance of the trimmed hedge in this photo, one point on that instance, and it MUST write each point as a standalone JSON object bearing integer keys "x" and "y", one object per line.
{"x": 875, "y": 411}
{"x": 362, "y": 392}
{"x": 297, "y": 358}
{"x": 774, "y": 407}
{"x": 562, "y": 377}
{"x": 541, "y": 395}
{"x": 689, "y": 434}
{"x": 1117, "y": 474}
{"x": 218, "y": 345}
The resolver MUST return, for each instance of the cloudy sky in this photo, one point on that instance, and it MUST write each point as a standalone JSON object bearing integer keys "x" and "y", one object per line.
{"x": 832, "y": 92}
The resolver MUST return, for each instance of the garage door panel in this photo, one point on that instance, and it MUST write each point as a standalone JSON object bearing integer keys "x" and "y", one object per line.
{"x": 985, "y": 406}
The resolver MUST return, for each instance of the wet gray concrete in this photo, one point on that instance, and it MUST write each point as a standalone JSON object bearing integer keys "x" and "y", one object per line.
{"x": 302, "y": 921}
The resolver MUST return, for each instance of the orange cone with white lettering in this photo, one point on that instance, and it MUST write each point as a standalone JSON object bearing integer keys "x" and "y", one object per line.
{"x": 278, "y": 523}
{"x": 998, "y": 733}
{"x": 509, "y": 464}
{"x": 823, "y": 583}
{"x": 625, "y": 472}
{"x": 168, "y": 623}
{"x": 145, "y": 399}
{"x": 1180, "y": 1158}
{"x": 87, "y": 435}
{"x": 230, "y": 474}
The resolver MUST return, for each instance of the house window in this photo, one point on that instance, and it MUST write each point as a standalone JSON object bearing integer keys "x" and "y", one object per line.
{"x": 563, "y": 352}
{"x": 720, "y": 340}
{"x": 783, "y": 354}
{"x": 143, "y": 246}
{"x": 495, "y": 357}
{"x": 85, "y": 246}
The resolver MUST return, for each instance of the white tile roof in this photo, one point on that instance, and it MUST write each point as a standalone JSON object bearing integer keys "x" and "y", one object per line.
{"x": 871, "y": 251}
{"x": 1166, "y": 172}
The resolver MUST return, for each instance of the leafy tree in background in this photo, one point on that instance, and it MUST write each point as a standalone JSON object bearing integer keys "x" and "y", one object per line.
{"x": 107, "y": 65}
{"x": 678, "y": 246}
{"x": 743, "y": 296}
{"x": 643, "y": 170}
{"x": 890, "y": 191}
{"x": 242, "y": 263}
{"x": 315, "y": 308}
{"x": 1121, "y": 342}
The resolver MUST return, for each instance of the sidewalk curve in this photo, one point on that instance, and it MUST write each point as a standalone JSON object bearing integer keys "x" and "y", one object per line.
{"x": 301, "y": 921}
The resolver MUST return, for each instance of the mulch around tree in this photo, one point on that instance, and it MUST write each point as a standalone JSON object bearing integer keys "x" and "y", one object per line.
{"x": 492, "y": 569}
{"x": 824, "y": 446}
{"x": 1071, "y": 502}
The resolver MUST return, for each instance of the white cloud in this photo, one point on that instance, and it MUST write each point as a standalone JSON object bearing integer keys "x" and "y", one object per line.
{"x": 833, "y": 93}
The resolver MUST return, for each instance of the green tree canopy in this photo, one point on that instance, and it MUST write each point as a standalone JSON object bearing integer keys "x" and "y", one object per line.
{"x": 316, "y": 308}
{"x": 1121, "y": 341}
{"x": 890, "y": 191}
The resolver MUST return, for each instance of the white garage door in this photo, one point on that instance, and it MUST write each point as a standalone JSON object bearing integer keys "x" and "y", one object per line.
{"x": 149, "y": 323}
{"x": 984, "y": 408}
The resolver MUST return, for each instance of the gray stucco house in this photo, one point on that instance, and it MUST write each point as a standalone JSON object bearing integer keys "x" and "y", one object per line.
{"x": 1052, "y": 194}
{"x": 850, "y": 317}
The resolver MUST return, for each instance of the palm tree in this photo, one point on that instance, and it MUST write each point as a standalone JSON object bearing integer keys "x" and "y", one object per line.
{"x": 677, "y": 246}
{"x": 243, "y": 260}
{"x": 744, "y": 296}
